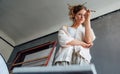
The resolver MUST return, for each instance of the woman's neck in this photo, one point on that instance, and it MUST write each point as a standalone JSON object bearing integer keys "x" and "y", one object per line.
{"x": 76, "y": 25}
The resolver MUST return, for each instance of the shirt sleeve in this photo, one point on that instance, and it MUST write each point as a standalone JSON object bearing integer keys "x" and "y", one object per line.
{"x": 93, "y": 34}
{"x": 63, "y": 38}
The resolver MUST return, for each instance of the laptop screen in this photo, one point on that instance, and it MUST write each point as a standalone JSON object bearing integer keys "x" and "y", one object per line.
{"x": 3, "y": 66}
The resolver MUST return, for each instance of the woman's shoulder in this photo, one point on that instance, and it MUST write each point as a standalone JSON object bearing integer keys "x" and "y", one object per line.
{"x": 64, "y": 27}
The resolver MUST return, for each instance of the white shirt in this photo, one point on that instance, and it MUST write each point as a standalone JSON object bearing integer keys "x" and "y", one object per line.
{"x": 67, "y": 34}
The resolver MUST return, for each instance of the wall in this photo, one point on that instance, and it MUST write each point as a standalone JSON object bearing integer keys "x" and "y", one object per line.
{"x": 106, "y": 48}
{"x": 6, "y": 45}
{"x": 105, "y": 51}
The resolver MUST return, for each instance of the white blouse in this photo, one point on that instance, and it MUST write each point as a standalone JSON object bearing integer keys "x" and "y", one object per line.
{"x": 67, "y": 34}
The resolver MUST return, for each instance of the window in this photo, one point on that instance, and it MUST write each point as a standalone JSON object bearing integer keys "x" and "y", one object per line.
{"x": 41, "y": 55}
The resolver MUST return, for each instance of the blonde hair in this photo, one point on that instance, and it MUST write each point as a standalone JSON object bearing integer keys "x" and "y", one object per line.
{"x": 74, "y": 9}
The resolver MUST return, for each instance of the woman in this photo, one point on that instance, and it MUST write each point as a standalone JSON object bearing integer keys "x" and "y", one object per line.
{"x": 75, "y": 41}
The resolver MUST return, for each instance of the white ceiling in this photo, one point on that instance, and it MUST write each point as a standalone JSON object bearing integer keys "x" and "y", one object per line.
{"x": 25, "y": 20}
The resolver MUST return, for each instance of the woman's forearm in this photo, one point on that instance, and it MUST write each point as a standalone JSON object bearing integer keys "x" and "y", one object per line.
{"x": 88, "y": 36}
{"x": 79, "y": 43}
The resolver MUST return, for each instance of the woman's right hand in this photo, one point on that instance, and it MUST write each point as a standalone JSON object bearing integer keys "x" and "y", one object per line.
{"x": 85, "y": 45}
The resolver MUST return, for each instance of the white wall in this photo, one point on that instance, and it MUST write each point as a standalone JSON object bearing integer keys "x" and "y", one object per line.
{"x": 6, "y": 49}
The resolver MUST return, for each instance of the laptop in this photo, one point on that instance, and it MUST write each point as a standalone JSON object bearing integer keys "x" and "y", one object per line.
{"x": 71, "y": 69}
{"x": 3, "y": 66}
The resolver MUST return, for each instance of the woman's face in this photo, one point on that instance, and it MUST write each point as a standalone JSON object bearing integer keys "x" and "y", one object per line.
{"x": 80, "y": 16}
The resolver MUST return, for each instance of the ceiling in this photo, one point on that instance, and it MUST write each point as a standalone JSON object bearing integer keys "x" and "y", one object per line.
{"x": 25, "y": 20}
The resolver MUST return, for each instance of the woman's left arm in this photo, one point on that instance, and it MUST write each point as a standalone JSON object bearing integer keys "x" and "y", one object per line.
{"x": 89, "y": 35}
